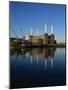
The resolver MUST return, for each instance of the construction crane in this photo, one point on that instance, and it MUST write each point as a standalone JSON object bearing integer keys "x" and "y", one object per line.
{"x": 21, "y": 31}
{"x": 23, "y": 37}
{"x": 15, "y": 36}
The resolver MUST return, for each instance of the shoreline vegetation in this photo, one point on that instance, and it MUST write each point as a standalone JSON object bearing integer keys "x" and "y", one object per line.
{"x": 37, "y": 46}
{"x": 16, "y": 45}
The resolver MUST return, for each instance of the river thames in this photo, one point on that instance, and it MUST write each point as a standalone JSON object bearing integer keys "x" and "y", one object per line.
{"x": 33, "y": 67}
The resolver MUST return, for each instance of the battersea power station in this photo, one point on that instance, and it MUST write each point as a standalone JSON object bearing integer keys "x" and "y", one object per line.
{"x": 42, "y": 39}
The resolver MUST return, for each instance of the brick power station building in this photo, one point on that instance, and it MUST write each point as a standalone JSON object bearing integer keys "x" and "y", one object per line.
{"x": 42, "y": 39}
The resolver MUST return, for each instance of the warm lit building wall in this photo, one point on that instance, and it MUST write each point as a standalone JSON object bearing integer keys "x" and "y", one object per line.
{"x": 30, "y": 38}
{"x": 46, "y": 38}
{"x": 36, "y": 39}
{"x": 52, "y": 39}
{"x": 42, "y": 39}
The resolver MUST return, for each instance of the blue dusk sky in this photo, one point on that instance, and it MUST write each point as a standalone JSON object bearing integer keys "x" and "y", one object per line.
{"x": 24, "y": 16}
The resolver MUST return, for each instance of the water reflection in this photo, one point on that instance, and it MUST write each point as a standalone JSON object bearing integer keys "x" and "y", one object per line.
{"x": 37, "y": 66}
{"x": 36, "y": 54}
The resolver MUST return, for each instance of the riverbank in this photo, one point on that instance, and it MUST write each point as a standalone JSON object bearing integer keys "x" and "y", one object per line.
{"x": 37, "y": 46}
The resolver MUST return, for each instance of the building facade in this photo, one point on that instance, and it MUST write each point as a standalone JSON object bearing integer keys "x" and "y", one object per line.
{"x": 42, "y": 39}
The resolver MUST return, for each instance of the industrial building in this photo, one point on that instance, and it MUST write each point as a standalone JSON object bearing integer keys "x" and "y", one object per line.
{"x": 42, "y": 39}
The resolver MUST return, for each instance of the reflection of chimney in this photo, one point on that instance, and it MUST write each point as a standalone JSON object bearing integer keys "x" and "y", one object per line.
{"x": 52, "y": 62}
{"x": 31, "y": 31}
{"x": 37, "y": 59}
{"x": 37, "y": 32}
{"x": 31, "y": 59}
{"x": 45, "y": 28}
{"x": 51, "y": 29}
{"x": 45, "y": 63}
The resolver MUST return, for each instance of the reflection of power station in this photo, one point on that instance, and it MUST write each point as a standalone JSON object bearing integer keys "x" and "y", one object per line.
{"x": 47, "y": 53}
{"x": 42, "y": 39}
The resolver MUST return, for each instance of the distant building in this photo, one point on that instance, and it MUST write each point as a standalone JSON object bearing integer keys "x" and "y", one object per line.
{"x": 38, "y": 39}
{"x": 42, "y": 39}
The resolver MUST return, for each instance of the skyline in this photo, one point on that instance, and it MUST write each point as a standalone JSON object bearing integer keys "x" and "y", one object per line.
{"x": 26, "y": 16}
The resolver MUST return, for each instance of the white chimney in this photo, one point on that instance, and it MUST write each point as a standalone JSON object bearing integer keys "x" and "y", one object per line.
{"x": 51, "y": 29}
{"x": 37, "y": 32}
{"x": 31, "y": 31}
{"x": 45, "y": 28}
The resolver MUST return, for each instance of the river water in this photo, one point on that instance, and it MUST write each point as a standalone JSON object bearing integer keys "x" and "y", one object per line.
{"x": 34, "y": 67}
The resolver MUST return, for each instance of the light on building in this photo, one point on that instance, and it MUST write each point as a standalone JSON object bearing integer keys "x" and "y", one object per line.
{"x": 27, "y": 37}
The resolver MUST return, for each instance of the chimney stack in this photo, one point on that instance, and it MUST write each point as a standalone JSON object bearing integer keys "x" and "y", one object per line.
{"x": 45, "y": 28}
{"x": 31, "y": 31}
{"x": 37, "y": 32}
{"x": 52, "y": 29}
